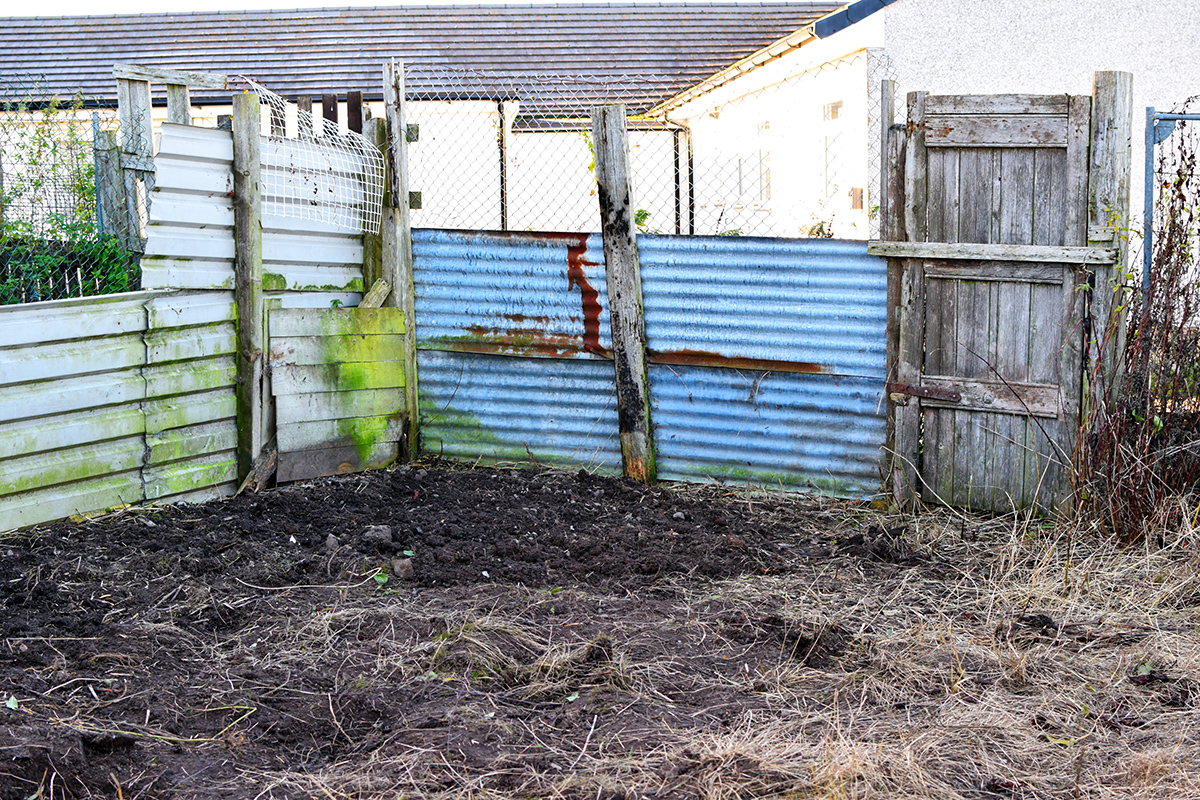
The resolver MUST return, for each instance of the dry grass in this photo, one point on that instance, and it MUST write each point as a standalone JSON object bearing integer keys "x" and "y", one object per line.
{"x": 1018, "y": 663}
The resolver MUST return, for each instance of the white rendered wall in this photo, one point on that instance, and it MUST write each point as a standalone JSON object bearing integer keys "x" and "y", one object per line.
{"x": 1049, "y": 47}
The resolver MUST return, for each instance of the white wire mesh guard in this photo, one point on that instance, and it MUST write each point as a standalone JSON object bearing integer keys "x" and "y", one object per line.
{"x": 317, "y": 170}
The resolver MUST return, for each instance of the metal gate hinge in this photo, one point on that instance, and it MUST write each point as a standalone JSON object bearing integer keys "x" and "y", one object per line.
{"x": 928, "y": 392}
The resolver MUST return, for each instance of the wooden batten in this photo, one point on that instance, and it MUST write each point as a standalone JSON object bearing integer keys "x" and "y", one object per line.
{"x": 1108, "y": 216}
{"x": 175, "y": 77}
{"x": 179, "y": 104}
{"x": 376, "y": 131}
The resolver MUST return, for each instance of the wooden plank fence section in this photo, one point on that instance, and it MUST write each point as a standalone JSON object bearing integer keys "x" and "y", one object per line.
{"x": 123, "y": 399}
{"x": 306, "y": 263}
{"x": 63, "y": 472}
{"x": 189, "y": 408}
{"x": 309, "y": 263}
{"x": 337, "y": 376}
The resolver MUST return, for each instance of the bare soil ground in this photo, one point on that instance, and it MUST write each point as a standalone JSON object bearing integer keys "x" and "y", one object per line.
{"x": 440, "y": 632}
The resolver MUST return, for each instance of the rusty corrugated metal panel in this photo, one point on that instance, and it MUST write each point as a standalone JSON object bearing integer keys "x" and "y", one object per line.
{"x": 786, "y": 430}
{"x": 513, "y": 334}
{"x": 767, "y": 355}
{"x": 516, "y": 293}
{"x": 768, "y": 360}
{"x": 782, "y": 305}
{"x": 547, "y": 411}
{"x": 669, "y": 47}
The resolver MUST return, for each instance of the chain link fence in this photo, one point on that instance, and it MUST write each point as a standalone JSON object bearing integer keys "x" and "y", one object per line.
{"x": 766, "y": 154}
{"x": 880, "y": 68}
{"x": 72, "y": 219}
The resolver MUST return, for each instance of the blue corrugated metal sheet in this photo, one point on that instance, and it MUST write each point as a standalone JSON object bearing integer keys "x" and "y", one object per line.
{"x": 768, "y": 360}
{"x": 787, "y": 430}
{"x": 526, "y": 294}
{"x": 767, "y": 355}
{"x": 500, "y": 408}
{"x": 512, "y": 330}
{"x": 791, "y": 305}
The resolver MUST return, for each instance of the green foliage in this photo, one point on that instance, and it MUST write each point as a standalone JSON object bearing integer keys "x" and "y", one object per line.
{"x": 51, "y": 245}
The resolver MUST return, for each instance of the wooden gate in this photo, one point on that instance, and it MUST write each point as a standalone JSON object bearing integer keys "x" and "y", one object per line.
{"x": 989, "y": 273}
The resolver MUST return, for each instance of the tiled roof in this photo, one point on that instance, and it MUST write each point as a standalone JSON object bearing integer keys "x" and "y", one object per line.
{"x": 665, "y": 48}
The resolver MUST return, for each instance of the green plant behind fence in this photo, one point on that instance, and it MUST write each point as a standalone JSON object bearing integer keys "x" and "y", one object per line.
{"x": 53, "y": 242}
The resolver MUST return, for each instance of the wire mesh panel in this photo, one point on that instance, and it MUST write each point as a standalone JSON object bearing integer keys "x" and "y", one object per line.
{"x": 325, "y": 173}
{"x": 771, "y": 153}
{"x": 69, "y": 225}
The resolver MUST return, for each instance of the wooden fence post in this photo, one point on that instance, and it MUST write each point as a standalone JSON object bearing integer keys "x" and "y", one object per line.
{"x": 396, "y": 261}
{"x": 900, "y": 476}
{"x": 624, "y": 280}
{"x": 247, "y": 233}
{"x": 110, "y": 186}
{"x": 908, "y": 212}
{"x": 1108, "y": 215}
{"x": 137, "y": 150}
{"x": 179, "y": 104}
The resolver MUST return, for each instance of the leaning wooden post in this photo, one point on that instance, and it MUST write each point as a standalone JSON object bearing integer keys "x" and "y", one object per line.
{"x": 910, "y": 213}
{"x": 396, "y": 260}
{"x": 1108, "y": 216}
{"x": 891, "y": 217}
{"x": 247, "y": 234}
{"x": 624, "y": 279}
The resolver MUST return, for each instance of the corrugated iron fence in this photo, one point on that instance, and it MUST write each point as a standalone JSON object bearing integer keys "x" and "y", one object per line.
{"x": 767, "y": 356}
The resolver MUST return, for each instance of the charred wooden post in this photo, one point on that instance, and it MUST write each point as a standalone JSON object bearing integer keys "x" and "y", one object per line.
{"x": 624, "y": 279}
{"x": 354, "y": 111}
{"x": 247, "y": 233}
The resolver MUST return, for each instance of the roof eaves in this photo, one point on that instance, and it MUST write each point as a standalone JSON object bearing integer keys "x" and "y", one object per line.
{"x": 772, "y": 52}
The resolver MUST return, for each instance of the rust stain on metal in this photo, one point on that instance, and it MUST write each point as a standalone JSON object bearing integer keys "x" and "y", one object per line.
{"x": 703, "y": 358}
{"x": 522, "y": 341}
{"x": 588, "y": 296}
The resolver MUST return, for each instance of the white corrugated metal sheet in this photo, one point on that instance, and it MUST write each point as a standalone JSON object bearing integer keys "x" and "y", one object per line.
{"x": 112, "y": 400}
{"x": 189, "y": 241}
{"x": 190, "y": 245}
{"x": 309, "y": 263}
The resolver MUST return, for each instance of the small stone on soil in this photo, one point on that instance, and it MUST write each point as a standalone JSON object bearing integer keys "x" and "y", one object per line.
{"x": 377, "y": 535}
{"x": 331, "y": 543}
